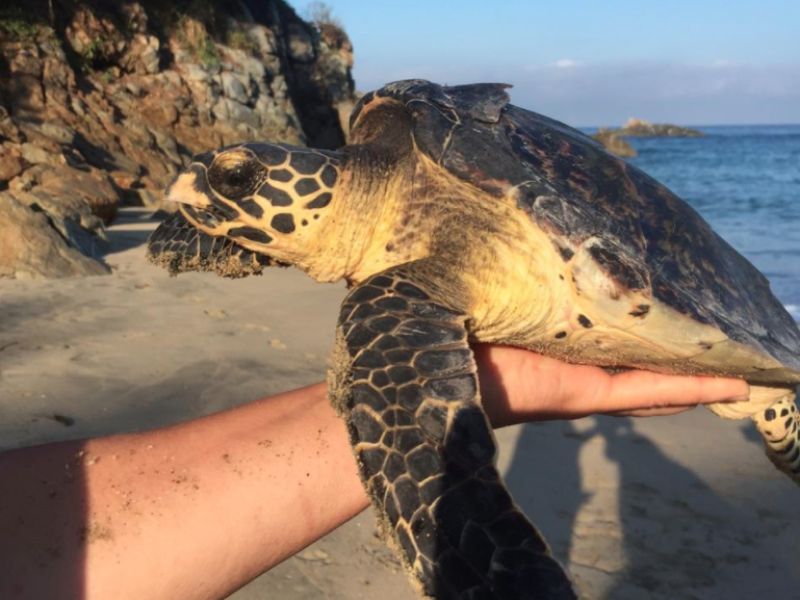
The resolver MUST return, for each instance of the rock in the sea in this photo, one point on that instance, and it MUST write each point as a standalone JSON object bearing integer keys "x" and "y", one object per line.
{"x": 642, "y": 128}
{"x": 613, "y": 142}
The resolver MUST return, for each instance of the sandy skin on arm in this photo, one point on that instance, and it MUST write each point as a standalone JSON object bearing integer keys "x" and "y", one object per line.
{"x": 197, "y": 510}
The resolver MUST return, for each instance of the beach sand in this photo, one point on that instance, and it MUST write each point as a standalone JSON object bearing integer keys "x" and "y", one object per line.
{"x": 684, "y": 507}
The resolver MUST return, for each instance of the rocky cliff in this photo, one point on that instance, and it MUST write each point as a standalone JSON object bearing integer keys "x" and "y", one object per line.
{"x": 102, "y": 102}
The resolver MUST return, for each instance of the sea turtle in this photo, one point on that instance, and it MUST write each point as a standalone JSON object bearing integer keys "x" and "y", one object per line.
{"x": 456, "y": 217}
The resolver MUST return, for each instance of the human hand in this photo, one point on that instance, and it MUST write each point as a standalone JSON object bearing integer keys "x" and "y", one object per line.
{"x": 525, "y": 386}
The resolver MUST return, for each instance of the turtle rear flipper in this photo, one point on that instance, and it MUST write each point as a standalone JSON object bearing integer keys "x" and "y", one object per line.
{"x": 779, "y": 425}
{"x": 406, "y": 383}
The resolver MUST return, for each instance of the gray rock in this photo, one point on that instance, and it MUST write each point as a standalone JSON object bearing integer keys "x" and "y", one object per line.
{"x": 78, "y": 107}
{"x": 170, "y": 78}
{"x": 233, "y": 114}
{"x": 263, "y": 37}
{"x": 84, "y": 195}
{"x": 243, "y": 114}
{"x": 57, "y": 132}
{"x": 194, "y": 72}
{"x": 221, "y": 110}
{"x": 234, "y": 88}
{"x": 29, "y": 178}
{"x": 250, "y": 66}
{"x": 32, "y": 249}
{"x": 279, "y": 87}
{"x": 142, "y": 56}
{"x": 167, "y": 145}
{"x": 150, "y": 59}
{"x": 139, "y": 131}
{"x": 37, "y": 155}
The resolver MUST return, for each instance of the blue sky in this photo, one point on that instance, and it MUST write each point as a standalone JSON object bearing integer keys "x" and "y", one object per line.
{"x": 593, "y": 62}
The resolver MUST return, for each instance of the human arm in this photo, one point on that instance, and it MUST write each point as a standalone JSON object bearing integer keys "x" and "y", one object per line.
{"x": 197, "y": 510}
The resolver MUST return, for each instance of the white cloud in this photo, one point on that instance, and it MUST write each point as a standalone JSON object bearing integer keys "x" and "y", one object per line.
{"x": 562, "y": 63}
{"x": 567, "y": 63}
{"x": 721, "y": 63}
{"x": 691, "y": 93}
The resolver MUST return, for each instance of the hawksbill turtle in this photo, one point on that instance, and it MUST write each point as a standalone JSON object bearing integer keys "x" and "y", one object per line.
{"x": 457, "y": 217}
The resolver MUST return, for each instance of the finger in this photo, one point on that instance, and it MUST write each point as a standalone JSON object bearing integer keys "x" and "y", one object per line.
{"x": 525, "y": 386}
{"x": 651, "y": 412}
{"x": 642, "y": 390}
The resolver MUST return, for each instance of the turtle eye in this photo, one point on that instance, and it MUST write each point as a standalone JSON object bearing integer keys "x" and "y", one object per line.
{"x": 236, "y": 181}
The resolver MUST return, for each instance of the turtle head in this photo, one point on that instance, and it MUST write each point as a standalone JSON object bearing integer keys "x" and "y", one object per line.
{"x": 271, "y": 199}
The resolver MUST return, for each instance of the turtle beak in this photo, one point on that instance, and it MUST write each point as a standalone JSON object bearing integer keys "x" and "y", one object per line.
{"x": 190, "y": 187}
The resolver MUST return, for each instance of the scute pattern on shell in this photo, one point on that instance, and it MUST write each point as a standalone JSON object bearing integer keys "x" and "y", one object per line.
{"x": 646, "y": 236}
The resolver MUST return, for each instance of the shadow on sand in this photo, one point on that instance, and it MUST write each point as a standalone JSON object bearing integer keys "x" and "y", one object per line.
{"x": 630, "y": 522}
{"x": 132, "y": 228}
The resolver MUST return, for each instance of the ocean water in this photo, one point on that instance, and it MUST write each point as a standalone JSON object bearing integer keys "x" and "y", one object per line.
{"x": 745, "y": 181}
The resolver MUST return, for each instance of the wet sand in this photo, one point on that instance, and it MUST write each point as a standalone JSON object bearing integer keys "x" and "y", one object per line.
{"x": 683, "y": 507}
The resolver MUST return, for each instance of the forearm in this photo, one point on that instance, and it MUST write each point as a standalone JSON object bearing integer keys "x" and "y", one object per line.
{"x": 197, "y": 510}
{"x": 191, "y": 511}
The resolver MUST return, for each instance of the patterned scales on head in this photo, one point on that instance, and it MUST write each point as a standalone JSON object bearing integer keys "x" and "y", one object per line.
{"x": 251, "y": 193}
{"x": 458, "y": 217}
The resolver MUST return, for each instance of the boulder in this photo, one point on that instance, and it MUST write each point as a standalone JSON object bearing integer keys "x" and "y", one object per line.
{"x": 84, "y": 193}
{"x": 234, "y": 88}
{"x": 30, "y": 248}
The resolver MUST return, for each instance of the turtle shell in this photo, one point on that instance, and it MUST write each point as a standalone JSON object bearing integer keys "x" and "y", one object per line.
{"x": 643, "y": 235}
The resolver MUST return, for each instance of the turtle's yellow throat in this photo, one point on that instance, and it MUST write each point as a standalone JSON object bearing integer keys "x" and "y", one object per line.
{"x": 354, "y": 240}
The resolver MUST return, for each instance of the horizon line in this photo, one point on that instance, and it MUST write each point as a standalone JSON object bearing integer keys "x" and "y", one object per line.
{"x": 694, "y": 125}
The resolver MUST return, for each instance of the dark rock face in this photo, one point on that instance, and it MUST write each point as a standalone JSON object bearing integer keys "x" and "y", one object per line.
{"x": 641, "y": 128}
{"x": 102, "y": 102}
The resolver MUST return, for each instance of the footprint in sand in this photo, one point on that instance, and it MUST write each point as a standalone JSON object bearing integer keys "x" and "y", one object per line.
{"x": 274, "y": 342}
{"x": 277, "y": 344}
{"x": 197, "y": 299}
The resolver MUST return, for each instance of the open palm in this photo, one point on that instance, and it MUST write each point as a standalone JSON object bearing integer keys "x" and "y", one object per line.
{"x": 525, "y": 386}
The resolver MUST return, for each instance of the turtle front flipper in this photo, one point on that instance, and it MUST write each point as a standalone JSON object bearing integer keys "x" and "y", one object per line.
{"x": 405, "y": 381}
{"x": 779, "y": 425}
{"x": 179, "y": 246}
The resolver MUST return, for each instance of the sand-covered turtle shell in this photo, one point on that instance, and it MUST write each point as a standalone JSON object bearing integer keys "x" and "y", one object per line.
{"x": 637, "y": 230}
